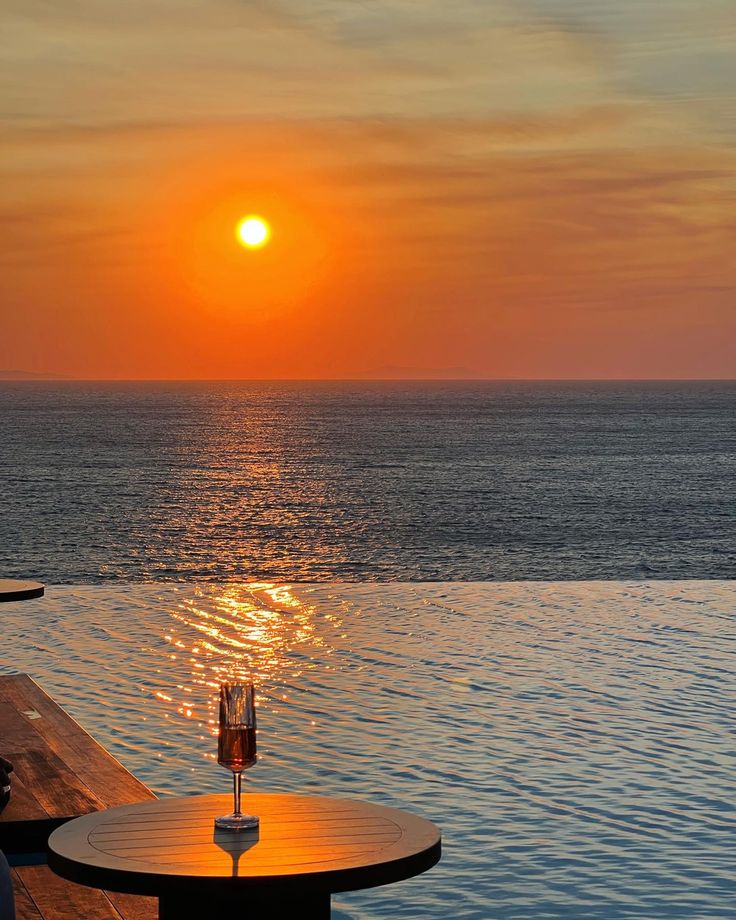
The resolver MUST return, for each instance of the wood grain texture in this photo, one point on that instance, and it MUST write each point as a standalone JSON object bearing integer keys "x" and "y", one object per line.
{"x": 57, "y": 899}
{"x": 56, "y": 787}
{"x": 41, "y": 895}
{"x": 133, "y": 906}
{"x": 303, "y": 842}
{"x": 25, "y": 907}
{"x": 60, "y": 773}
{"x": 13, "y": 590}
{"x": 40, "y": 738}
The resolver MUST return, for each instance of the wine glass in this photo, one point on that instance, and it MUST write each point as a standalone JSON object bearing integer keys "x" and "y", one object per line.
{"x": 236, "y": 746}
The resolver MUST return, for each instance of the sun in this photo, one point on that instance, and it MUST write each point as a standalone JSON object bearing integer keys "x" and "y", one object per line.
{"x": 252, "y": 232}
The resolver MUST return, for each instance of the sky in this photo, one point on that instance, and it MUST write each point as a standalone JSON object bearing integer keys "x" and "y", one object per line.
{"x": 523, "y": 189}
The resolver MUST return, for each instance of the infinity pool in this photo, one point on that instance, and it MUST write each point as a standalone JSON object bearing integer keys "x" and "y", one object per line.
{"x": 575, "y": 741}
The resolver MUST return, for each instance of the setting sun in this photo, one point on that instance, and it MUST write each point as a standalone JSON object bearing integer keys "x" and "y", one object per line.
{"x": 253, "y": 232}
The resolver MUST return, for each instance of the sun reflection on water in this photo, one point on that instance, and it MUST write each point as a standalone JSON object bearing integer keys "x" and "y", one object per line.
{"x": 262, "y": 632}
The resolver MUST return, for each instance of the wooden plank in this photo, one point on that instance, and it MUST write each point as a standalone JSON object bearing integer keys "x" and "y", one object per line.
{"x": 105, "y": 777}
{"x": 57, "y": 899}
{"x": 41, "y": 895}
{"x": 25, "y": 908}
{"x": 60, "y": 772}
{"x": 23, "y": 804}
{"x": 176, "y": 837}
{"x": 55, "y": 786}
{"x": 133, "y": 906}
{"x": 17, "y": 730}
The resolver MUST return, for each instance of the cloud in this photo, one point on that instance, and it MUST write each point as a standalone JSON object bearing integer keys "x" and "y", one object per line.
{"x": 474, "y": 165}
{"x": 164, "y": 60}
{"x": 414, "y": 371}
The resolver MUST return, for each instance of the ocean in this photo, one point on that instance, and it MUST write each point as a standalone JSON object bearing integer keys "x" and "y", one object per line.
{"x": 574, "y": 741}
{"x": 380, "y": 481}
{"x": 560, "y": 700}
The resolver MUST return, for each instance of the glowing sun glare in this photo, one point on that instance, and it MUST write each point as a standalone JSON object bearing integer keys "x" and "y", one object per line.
{"x": 253, "y": 232}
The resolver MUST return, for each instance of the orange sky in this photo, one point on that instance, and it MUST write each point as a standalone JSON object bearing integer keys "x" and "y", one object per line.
{"x": 494, "y": 190}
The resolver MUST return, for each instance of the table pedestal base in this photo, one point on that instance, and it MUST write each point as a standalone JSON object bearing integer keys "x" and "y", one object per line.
{"x": 246, "y": 906}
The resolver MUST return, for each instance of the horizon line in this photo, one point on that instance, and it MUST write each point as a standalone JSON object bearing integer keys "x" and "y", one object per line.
{"x": 65, "y": 379}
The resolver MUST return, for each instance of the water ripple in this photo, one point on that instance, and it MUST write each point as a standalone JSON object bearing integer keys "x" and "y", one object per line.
{"x": 575, "y": 741}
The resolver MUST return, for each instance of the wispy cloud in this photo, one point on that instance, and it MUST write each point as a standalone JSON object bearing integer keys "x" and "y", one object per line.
{"x": 490, "y": 181}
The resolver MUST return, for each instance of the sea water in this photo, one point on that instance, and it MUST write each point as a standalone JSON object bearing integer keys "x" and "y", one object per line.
{"x": 356, "y": 481}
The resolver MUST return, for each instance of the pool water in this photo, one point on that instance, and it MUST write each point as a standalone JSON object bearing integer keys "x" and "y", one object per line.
{"x": 575, "y": 741}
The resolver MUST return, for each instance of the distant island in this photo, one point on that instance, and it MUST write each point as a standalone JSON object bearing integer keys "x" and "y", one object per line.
{"x": 29, "y": 375}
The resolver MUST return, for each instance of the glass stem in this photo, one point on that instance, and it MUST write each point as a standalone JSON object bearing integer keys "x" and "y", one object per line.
{"x": 236, "y": 792}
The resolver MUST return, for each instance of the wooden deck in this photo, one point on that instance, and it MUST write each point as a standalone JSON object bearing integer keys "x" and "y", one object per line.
{"x": 61, "y": 772}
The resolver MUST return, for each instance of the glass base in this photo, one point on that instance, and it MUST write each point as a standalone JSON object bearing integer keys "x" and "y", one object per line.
{"x": 236, "y": 822}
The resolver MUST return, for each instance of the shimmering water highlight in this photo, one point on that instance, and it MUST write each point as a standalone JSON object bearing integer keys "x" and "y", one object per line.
{"x": 575, "y": 741}
{"x": 341, "y": 481}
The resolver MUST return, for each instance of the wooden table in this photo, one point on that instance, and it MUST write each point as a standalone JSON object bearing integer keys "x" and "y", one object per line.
{"x": 12, "y": 590}
{"x": 306, "y": 848}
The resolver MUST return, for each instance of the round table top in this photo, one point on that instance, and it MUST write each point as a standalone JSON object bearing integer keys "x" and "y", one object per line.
{"x": 304, "y": 842}
{"x": 12, "y": 590}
